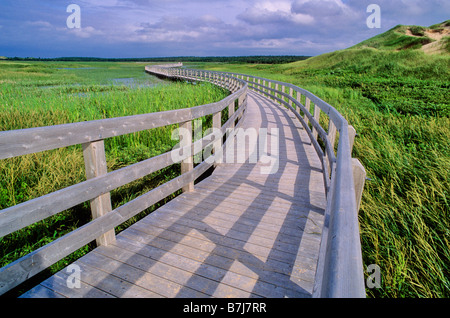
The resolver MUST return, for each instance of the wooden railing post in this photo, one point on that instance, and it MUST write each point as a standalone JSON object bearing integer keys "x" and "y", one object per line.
{"x": 351, "y": 136}
{"x": 359, "y": 173}
{"x": 331, "y": 136}
{"x": 308, "y": 109}
{"x": 291, "y": 93}
{"x": 95, "y": 165}
{"x": 299, "y": 99}
{"x": 231, "y": 110}
{"x": 217, "y": 124}
{"x": 240, "y": 101}
{"x": 188, "y": 163}
{"x": 317, "y": 118}
{"x": 198, "y": 134}
{"x": 359, "y": 178}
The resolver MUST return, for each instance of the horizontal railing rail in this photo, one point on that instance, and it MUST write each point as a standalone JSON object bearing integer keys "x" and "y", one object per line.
{"x": 99, "y": 183}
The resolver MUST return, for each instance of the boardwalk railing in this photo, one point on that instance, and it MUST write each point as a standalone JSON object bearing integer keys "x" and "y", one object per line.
{"x": 99, "y": 183}
{"x": 339, "y": 271}
{"x": 340, "y": 268}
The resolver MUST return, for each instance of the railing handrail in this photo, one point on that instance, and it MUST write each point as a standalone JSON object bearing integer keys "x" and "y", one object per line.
{"x": 324, "y": 106}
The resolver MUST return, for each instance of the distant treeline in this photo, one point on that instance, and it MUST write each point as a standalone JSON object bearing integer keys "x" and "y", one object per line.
{"x": 264, "y": 59}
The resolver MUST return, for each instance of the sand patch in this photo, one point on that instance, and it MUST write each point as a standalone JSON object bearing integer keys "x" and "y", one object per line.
{"x": 437, "y": 46}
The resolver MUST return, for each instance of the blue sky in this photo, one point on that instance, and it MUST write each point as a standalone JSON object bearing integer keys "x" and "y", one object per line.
{"x": 149, "y": 28}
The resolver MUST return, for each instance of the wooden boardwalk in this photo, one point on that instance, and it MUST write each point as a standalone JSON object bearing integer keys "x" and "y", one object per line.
{"x": 240, "y": 233}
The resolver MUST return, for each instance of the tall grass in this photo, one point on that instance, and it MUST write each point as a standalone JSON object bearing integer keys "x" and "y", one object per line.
{"x": 41, "y": 94}
{"x": 398, "y": 103}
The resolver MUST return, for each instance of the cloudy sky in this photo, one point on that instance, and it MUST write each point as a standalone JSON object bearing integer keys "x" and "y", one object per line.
{"x": 154, "y": 28}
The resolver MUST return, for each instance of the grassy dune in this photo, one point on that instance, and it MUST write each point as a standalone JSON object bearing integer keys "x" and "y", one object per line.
{"x": 403, "y": 37}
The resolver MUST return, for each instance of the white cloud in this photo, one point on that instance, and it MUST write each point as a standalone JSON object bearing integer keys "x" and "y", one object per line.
{"x": 48, "y": 28}
{"x": 85, "y": 32}
{"x": 328, "y": 12}
{"x": 210, "y": 19}
{"x": 274, "y": 12}
{"x": 274, "y": 6}
{"x": 40, "y": 24}
{"x": 182, "y": 29}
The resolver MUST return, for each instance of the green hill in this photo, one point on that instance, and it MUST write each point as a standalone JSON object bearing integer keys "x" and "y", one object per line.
{"x": 433, "y": 39}
{"x": 402, "y": 52}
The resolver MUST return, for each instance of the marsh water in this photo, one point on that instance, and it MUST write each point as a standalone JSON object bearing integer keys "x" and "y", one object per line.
{"x": 134, "y": 79}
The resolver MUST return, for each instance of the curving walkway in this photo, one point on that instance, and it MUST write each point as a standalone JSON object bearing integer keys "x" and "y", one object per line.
{"x": 258, "y": 235}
